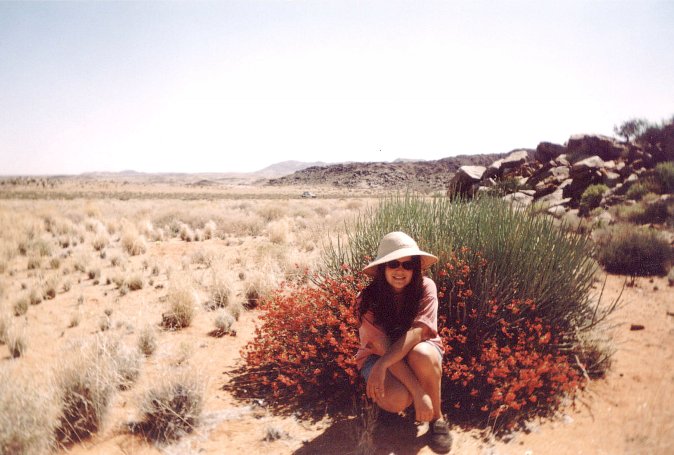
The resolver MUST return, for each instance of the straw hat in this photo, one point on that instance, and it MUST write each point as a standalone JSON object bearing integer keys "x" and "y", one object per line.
{"x": 396, "y": 245}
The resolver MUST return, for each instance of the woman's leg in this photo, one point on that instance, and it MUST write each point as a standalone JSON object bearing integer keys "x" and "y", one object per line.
{"x": 426, "y": 363}
{"x": 396, "y": 397}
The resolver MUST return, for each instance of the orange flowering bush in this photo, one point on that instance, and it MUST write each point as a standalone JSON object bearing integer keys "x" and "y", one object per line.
{"x": 303, "y": 351}
{"x": 503, "y": 360}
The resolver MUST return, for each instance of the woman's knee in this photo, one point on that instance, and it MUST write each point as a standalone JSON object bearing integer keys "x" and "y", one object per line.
{"x": 395, "y": 401}
{"x": 425, "y": 357}
{"x": 396, "y": 398}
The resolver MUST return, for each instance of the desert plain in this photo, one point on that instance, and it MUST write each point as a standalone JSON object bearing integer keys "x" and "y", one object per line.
{"x": 101, "y": 262}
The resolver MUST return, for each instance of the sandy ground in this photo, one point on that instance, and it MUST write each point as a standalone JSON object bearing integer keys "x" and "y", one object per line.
{"x": 631, "y": 411}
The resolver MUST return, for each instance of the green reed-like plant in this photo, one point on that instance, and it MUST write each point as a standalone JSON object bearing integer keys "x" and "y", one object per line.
{"x": 527, "y": 256}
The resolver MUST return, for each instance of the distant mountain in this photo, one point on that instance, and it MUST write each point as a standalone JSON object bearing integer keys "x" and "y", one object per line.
{"x": 285, "y": 168}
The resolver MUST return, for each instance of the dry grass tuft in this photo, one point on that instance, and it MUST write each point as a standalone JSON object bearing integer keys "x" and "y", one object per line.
{"x": 171, "y": 407}
{"x": 21, "y": 306}
{"x": 220, "y": 293}
{"x": 133, "y": 244}
{"x": 28, "y": 413}
{"x": 223, "y": 324}
{"x": 128, "y": 364}
{"x": 86, "y": 384}
{"x": 134, "y": 282}
{"x": 182, "y": 302}
{"x": 16, "y": 342}
{"x": 147, "y": 341}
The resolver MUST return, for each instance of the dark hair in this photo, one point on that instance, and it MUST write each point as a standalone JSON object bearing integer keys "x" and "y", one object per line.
{"x": 378, "y": 296}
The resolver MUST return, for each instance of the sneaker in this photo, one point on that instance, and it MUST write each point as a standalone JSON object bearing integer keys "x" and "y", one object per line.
{"x": 440, "y": 439}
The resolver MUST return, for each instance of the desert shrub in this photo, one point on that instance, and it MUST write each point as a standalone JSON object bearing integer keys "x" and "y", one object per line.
{"x": 21, "y": 306}
{"x": 303, "y": 350}
{"x": 16, "y": 342}
{"x": 28, "y": 413}
{"x": 54, "y": 263}
{"x": 100, "y": 241}
{"x": 223, "y": 323}
{"x": 591, "y": 197}
{"x": 638, "y": 190}
{"x": 134, "y": 282}
{"x": 502, "y": 360}
{"x": 220, "y": 293}
{"x": 94, "y": 273}
{"x": 270, "y": 212}
{"x": 526, "y": 281}
{"x": 634, "y": 251}
{"x": 659, "y": 211}
{"x": 186, "y": 233}
{"x": 49, "y": 287}
{"x": 34, "y": 262}
{"x": 133, "y": 244}
{"x": 86, "y": 384}
{"x": 235, "y": 309}
{"x": 35, "y": 296}
{"x": 210, "y": 230}
{"x": 278, "y": 231}
{"x": 664, "y": 173}
{"x": 147, "y": 341}
{"x": 4, "y": 326}
{"x": 172, "y": 407}
{"x": 182, "y": 300}
{"x": 127, "y": 364}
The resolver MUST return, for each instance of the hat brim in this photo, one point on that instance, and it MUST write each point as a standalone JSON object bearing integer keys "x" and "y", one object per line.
{"x": 427, "y": 259}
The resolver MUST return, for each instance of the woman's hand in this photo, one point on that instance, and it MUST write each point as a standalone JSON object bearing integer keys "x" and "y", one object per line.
{"x": 375, "y": 382}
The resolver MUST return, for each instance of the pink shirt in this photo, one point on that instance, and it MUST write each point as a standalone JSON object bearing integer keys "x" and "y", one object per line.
{"x": 372, "y": 335}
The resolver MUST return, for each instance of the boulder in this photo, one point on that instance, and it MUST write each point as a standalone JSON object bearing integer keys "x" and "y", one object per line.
{"x": 546, "y": 151}
{"x": 515, "y": 159}
{"x": 593, "y": 163}
{"x": 562, "y": 160}
{"x": 580, "y": 182}
{"x": 519, "y": 198}
{"x": 605, "y": 147}
{"x": 557, "y": 211}
{"x": 559, "y": 173}
{"x": 610, "y": 179}
{"x": 494, "y": 169}
{"x": 464, "y": 179}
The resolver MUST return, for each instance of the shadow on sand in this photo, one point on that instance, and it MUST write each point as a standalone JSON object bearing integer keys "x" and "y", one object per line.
{"x": 392, "y": 434}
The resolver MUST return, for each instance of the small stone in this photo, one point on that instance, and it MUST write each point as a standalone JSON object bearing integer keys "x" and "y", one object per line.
{"x": 637, "y": 327}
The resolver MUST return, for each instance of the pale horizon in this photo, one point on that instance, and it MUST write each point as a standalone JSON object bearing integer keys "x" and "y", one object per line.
{"x": 236, "y": 86}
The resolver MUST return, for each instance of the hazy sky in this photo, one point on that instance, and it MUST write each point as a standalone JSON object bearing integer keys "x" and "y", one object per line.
{"x": 238, "y": 85}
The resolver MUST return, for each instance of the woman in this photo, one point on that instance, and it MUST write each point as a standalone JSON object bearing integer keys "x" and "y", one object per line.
{"x": 400, "y": 355}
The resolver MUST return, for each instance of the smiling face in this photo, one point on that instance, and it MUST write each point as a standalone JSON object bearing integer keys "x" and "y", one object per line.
{"x": 399, "y": 277}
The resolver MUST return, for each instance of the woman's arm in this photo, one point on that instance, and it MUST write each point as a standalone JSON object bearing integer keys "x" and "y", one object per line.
{"x": 395, "y": 353}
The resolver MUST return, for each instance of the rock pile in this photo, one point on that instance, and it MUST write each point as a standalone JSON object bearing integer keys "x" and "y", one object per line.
{"x": 556, "y": 176}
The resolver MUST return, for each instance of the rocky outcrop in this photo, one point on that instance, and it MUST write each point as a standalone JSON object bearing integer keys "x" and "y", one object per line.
{"x": 401, "y": 174}
{"x": 556, "y": 176}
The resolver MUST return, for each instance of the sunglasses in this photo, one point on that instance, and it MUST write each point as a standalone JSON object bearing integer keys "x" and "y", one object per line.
{"x": 407, "y": 265}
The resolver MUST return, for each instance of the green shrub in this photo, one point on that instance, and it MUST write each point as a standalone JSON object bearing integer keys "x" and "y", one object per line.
{"x": 525, "y": 252}
{"x": 664, "y": 173}
{"x": 519, "y": 275}
{"x": 638, "y": 190}
{"x": 591, "y": 197}
{"x": 633, "y": 251}
{"x": 659, "y": 211}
